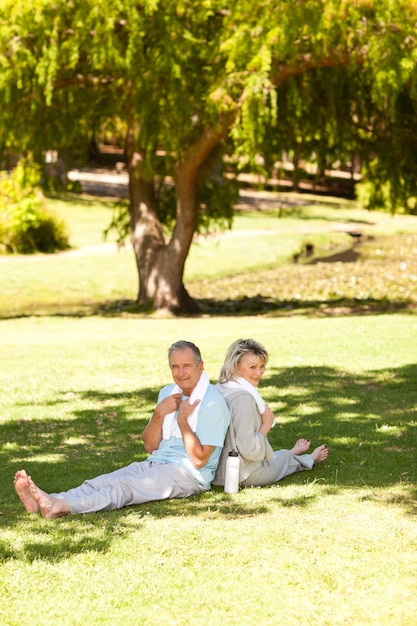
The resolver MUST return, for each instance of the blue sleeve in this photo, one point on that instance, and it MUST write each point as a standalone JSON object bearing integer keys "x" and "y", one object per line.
{"x": 165, "y": 392}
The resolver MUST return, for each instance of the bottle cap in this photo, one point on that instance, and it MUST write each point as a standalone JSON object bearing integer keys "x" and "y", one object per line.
{"x": 233, "y": 453}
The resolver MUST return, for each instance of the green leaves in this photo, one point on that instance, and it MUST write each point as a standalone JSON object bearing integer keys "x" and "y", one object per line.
{"x": 26, "y": 226}
{"x": 324, "y": 74}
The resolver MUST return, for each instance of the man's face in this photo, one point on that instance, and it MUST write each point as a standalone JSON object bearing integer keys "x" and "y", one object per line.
{"x": 185, "y": 371}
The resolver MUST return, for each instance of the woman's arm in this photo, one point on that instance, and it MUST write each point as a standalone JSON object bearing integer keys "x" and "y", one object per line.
{"x": 268, "y": 420}
{"x": 251, "y": 441}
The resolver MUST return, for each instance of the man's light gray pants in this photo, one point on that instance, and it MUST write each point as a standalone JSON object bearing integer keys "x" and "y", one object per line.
{"x": 134, "y": 484}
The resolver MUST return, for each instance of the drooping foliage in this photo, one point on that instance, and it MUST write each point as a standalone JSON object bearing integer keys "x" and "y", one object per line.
{"x": 340, "y": 81}
{"x": 186, "y": 81}
{"x": 68, "y": 67}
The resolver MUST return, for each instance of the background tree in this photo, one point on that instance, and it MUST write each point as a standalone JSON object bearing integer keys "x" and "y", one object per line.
{"x": 188, "y": 78}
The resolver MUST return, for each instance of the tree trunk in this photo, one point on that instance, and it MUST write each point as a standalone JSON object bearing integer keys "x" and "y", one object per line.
{"x": 160, "y": 264}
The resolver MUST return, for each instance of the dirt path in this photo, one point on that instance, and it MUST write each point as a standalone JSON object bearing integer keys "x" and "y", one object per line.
{"x": 114, "y": 184}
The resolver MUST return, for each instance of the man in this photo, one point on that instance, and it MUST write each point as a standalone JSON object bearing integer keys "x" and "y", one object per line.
{"x": 184, "y": 438}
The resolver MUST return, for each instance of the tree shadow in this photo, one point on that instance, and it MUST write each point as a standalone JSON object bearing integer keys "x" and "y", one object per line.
{"x": 99, "y": 438}
{"x": 238, "y": 307}
{"x": 61, "y": 539}
{"x": 274, "y": 306}
{"x": 368, "y": 420}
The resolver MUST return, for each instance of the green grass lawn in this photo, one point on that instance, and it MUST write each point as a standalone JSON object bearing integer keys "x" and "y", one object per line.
{"x": 334, "y": 546}
{"x": 236, "y": 271}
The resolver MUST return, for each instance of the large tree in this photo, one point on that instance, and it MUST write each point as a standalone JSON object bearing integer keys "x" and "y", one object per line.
{"x": 186, "y": 78}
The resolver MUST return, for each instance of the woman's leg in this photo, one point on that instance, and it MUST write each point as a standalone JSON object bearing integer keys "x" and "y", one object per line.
{"x": 284, "y": 463}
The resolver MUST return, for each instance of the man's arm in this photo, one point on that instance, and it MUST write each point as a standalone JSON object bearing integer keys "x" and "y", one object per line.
{"x": 198, "y": 454}
{"x": 152, "y": 433}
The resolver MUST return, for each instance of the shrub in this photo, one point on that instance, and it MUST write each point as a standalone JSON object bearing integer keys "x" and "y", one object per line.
{"x": 26, "y": 226}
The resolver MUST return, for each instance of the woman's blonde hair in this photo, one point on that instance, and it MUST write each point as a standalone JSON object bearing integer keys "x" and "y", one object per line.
{"x": 238, "y": 348}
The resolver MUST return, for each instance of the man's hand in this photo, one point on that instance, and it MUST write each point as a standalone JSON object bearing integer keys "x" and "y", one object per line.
{"x": 198, "y": 454}
{"x": 185, "y": 410}
{"x": 168, "y": 405}
{"x": 152, "y": 434}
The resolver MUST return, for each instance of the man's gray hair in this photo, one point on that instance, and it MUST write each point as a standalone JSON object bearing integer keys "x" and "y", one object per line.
{"x": 182, "y": 345}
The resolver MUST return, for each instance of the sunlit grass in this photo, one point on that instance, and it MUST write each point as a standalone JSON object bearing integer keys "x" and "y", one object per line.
{"x": 86, "y": 218}
{"x": 252, "y": 261}
{"x": 332, "y": 546}
{"x": 335, "y": 546}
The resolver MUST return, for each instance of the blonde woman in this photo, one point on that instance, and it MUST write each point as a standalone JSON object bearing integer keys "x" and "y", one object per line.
{"x": 252, "y": 419}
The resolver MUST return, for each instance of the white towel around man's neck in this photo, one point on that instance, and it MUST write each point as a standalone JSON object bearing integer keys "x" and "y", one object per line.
{"x": 170, "y": 426}
{"x": 241, "y": 383}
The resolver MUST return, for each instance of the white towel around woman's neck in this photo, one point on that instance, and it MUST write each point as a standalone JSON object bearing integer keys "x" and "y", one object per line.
{"x": 170, "y": 426}
{"x": 241, "y": 383}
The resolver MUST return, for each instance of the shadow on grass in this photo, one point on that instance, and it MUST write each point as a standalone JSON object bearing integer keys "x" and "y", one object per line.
{"x": 56, "y": 541}
{"x": 236, "y": 307}
{"x": 369, "y": 422}
{"x": 266, "y": 305}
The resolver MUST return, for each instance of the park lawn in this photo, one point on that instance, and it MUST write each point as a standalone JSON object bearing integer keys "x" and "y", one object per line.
{"x": 86, "y": 218}
{"x": 97, "y": 274}
{"x": 332, "y": 546}
{"x": 96, "y": 271}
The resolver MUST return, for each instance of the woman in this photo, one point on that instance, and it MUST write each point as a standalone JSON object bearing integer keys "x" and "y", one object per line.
{"x": 251, "y": 421}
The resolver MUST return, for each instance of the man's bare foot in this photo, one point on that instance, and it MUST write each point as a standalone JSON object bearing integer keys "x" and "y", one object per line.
{"x": 49, "y": 506}
{"x": 301, "y": 446}
{"x": 22, "y": 488}
{"x": 320, "y": 454}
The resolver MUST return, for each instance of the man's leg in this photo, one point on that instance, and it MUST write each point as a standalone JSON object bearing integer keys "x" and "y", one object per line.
{"x": 21, "y": 485}
{"x": 135, "y": 484}
{"x": 49, "y": 506}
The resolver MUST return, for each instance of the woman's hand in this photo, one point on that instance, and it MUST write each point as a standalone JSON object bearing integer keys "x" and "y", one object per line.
{"x": 268, "y": 420}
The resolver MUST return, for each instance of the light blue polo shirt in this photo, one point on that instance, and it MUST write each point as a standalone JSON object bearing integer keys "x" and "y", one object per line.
{"x": 212, "y": 424}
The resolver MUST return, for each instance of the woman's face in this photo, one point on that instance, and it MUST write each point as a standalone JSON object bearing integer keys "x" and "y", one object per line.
{"x": 251, "y": 368}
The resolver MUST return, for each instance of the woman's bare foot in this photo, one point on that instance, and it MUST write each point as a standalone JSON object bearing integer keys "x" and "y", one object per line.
{"x": 320, "y": 454}
{"x": 22, "y": 488}
{"x": 49, "y": 506}
{"x": 301, "y": 446}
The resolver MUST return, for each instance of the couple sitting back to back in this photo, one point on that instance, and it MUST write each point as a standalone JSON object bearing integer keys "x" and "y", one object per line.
{"x": 188, "y": 439}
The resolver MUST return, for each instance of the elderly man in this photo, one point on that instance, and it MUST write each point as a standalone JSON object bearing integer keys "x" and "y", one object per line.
{"x": 184, "y": 438}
